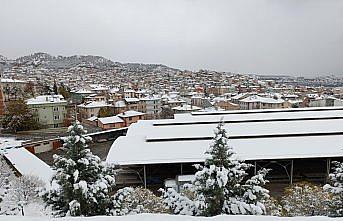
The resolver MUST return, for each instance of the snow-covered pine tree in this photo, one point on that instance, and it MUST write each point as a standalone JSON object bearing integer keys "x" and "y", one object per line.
{"x": 255, "y": 194}
{"x": 180, "y": 203}
{"x": 221, "y": 185}
{"x": 82, "y": 182}
{"x": 219, "y": 181}
{"x": 335, "y": 187}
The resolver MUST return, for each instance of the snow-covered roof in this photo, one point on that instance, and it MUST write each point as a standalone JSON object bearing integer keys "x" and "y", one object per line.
{"x": 186, "y": 107}
{"x": 93, "y": 118}
{"x": 131, "y": 99}
{"x": 114, "y": 90}
{"x": 47, "y": 99}
{"x": 176, "y": 101}
{"x": 95, "y": 104}
{"x": 130, "y": 113}
{"x": 119, "y": 104}
{"x": 27, "y": 163}
{"x": 9, "y": 142}
{"x": 8, "y": 80}
{"x": 267, "y": 100}
{"x": 82, "y": 91}
{"x": 129, "y": 91}
{"x": 306, "y": 133}
{"x": 110, "y": 120}
{"x": 150, "y": 98}
{"x": 239, "y": 96}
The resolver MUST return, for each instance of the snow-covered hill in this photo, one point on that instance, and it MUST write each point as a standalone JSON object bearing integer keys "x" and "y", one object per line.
{"x": 44, "y": 60}
{"x": 165, "y": 217}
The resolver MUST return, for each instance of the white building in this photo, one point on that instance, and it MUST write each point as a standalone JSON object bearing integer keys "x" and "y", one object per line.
{"x": 151, "y": 106}
{"x": 49, "y": 110}
{"x": 297, "y": 144}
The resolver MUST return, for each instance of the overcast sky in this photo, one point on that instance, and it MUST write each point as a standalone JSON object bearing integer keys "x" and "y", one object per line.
{"x": 299, "y": 37}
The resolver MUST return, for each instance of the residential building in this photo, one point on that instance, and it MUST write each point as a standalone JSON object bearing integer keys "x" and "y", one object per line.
{"x": 258, "y": 102}
{"x": 110, "y": 122}
{"x": 132, "y": 103}
{"x": 185, "y": 108}
{"x": 92, "y": 108}
{"x": 325, "y": 101}
{"x": 49, "y": 110}
{"x": 151, "y": 106}
{"x": 119, "y": 107}
{"x": 78, "y": 96}
{"x": 13, "y": 89}
{"x": 225, "y": 104}
{"x": 130, "y": 117}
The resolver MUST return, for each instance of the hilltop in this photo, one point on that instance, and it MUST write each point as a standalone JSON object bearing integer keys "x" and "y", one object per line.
{"x": 47, "y": 61}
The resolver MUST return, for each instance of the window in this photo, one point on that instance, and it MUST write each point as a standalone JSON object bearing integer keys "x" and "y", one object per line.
{"x": 56, "y": 117}
{"x": 55, "y": 108}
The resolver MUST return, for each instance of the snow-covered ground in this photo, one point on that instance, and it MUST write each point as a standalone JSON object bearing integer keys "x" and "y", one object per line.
{"x": 165, "y": 217}
{"x": 9, "y": 142}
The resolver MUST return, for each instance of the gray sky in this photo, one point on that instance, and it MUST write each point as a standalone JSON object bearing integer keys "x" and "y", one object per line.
{"x": 299, "y": 37}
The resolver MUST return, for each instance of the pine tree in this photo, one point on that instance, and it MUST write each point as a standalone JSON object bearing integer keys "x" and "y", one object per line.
{"x": 335, "y": 187}
{"x": 221, "y": 185}
{"x": 219, "y": 180}
{"x": 255, "y": 194}
{"x": 82, "y": 183}
{"x": 55, "y": 88}
{"x": 18, "y": 117}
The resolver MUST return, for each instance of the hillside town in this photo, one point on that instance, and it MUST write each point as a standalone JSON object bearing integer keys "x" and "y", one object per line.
{"x": 109, "y": 95}
{"x": 173, "y": 110}
{"x": 154, "y": 123}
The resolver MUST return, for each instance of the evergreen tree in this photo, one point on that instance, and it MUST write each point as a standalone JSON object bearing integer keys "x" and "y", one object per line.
{"x": 105, "y": 112}
{"x": 82, "y": 183}
{"x": 335, "y": 187}
{"x": 221, "y": 185}
{"x": 55, "y": 88}
{"x": 64, "y": 91}
{"x": 18, "y": 117}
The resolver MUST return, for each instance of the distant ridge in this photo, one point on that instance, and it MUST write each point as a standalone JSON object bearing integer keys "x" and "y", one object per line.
{"x": 45, "y": 60}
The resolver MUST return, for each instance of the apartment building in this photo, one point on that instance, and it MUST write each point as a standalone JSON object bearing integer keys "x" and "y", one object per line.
{"x": 151, "y": 106}
{"x": 91, "y": 109}
{"x": 258, "y": 102}
{"x": 49, "y": 110}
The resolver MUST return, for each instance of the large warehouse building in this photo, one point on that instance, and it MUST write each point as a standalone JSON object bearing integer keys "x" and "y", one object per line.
{"x": 297, "y": 144}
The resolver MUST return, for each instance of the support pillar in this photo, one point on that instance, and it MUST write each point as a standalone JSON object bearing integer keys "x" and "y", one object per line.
{"x": 291, "y": 174}
{"x": 255, "y": 169}
{"x": 181, "y": 169}
{"x": 328, "y": 167}
{"x": 144, "y": 171}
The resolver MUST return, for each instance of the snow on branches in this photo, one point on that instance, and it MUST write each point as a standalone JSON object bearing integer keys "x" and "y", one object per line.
{"x": 82, "y": 183}
{"x": 128, "y": 201}
{"x": 221, "y": 185}
{"x": 335, "y": 187}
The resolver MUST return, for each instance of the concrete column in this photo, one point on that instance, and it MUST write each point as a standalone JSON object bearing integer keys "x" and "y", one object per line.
{"x": 144, "y": 171}
{"x": 328, "y": 167}
{"x": 291, "y": 175}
